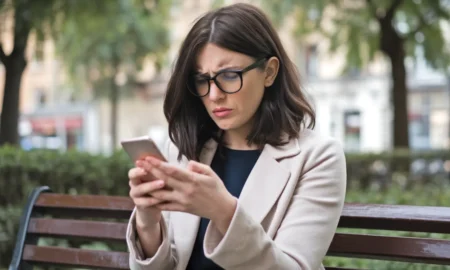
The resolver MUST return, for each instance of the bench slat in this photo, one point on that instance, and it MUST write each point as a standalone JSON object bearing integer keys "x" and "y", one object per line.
{"x": 407, "y": 249}
{"x": 72, "y": 257}
{"x": 396, "y": 217}
{"x": 84, "y": 205}
{"x": 100, "y": 230}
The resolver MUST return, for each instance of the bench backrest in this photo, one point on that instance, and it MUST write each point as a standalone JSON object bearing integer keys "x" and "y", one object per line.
{"x": 398, "y": 218}
{"x": 104, "y": 219}
{"x": 82, "y": 218}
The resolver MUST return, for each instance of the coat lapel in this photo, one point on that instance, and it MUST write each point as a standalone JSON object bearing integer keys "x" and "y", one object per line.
{"x": 267, "y": 180}
{"x": 185, "y": 231}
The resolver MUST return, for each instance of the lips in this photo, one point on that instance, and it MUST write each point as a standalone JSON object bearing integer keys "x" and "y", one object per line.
{"x": 222, "y": 112}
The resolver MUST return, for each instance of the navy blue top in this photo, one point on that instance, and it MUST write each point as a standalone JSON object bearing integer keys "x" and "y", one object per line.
{"x": 233, "y": 167}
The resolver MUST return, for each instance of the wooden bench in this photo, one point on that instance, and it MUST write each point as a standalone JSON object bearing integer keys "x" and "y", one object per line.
{"x": 104, "y": 218}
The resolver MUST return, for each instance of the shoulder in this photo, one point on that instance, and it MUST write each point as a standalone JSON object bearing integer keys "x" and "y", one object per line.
{"x": 315, "y": 147}
{"x": 310, "y": 140}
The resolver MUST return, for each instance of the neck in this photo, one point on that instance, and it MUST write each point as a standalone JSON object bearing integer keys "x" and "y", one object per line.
{"x": 237, "y": 140}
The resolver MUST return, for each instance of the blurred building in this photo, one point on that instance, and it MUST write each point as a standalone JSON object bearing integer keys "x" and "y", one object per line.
{"x": 429, "y": 106}
{"x": 353, "y": 107}
{"x": 50, "y": 117}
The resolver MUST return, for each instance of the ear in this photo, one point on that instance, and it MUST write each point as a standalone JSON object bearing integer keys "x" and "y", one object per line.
{"x": 271, "y": 71}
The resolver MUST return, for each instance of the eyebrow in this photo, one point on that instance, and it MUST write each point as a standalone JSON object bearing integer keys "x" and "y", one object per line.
{"x": 222, "y": 66}
{"x": 206, "y": 74}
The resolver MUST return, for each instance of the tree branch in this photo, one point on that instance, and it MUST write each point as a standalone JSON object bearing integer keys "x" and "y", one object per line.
{"x": 391, "y": 11}
{"x": 2, "y": 54}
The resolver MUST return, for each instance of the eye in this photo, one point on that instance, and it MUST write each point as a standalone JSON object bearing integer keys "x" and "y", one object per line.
{"x": 229, "y": 75}
{"x": 199, "y": 80}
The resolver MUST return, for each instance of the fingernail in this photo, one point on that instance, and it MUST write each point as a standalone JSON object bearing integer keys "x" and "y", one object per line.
{"x": 160, "y": 183}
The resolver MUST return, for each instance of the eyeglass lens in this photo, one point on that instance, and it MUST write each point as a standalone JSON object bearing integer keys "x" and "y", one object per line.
{"x": 228, "y": 81}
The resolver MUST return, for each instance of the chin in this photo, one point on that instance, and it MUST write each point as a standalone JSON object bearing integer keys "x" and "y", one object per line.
{"x": 224, "y": 125}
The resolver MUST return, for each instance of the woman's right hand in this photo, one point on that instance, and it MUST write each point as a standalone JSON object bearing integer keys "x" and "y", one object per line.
{"x": 142, "y": 184}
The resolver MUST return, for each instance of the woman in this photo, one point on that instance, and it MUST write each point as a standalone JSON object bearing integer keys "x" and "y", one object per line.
{"x": 247, "y": 185}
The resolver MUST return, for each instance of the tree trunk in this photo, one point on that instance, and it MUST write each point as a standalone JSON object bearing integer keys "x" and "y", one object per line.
{"x": 392, "y": 44}
{"x": 15, "y": 64}
{"x": 400, "y": 101}
{"x": 9, "y": 121}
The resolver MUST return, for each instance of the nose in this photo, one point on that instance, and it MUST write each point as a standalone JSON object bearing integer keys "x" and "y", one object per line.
{"x": 215, "y": 93}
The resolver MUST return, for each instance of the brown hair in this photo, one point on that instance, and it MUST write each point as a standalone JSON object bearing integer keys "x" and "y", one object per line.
{"x": 245, "y": 29}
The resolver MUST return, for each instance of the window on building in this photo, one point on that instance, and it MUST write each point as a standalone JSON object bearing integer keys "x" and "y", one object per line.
{"x": 311, "y": 61}
{"x": 352, "y": 129}
{"x": 40, "y": 97}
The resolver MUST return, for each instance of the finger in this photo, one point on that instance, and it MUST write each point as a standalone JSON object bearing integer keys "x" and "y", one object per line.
{"x": 170, "y": 182}
{"x": 200, "y": 168}
{"x": 144, "y": 164}
{"x": 167, "y": 169}
{"x": 166, "y": 195}
{"x": 147, "y": 166}
{"x": 146, "y": 188}
{"x": 144, "y": 202}
{"x": 158, "y": 173}
{"x": 135, "y": 175}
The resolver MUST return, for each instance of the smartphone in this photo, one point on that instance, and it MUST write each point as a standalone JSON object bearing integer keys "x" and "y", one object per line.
{"x": 141, "y": 147}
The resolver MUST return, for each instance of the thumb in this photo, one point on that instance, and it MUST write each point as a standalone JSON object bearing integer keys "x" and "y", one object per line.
{"x": 200, "y": 168}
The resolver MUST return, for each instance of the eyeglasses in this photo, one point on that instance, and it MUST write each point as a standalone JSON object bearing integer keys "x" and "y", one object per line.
{"x": 228, "y": 81}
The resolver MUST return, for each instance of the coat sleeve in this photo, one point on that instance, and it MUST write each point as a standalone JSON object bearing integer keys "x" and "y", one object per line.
{"x": 306, "y": 230}
{"x": 165, "y": 257}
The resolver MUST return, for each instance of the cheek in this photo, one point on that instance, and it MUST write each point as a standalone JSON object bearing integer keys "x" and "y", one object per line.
{"x": 252, "y": 96}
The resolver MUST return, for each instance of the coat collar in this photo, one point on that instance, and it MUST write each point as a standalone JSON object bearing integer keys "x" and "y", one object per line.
{"x": 290, "y": 149}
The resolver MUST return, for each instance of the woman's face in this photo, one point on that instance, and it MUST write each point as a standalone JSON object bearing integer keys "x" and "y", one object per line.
{"x": 232, "y": 112}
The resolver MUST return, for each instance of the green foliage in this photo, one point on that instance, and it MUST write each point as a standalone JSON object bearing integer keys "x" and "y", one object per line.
{"x": 82, "y": 173}
{"x": 355, "y": 25}
{"x": 217, "y": 4}
{"x": 70, "y": 172}
{"x": 403, "y": 168}
{"x": 111, "y": 37}
{"x": 41, "y": 16}
{"x": 9, "y": 225}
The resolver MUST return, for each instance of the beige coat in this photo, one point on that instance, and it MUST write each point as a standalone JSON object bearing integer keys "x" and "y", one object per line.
{"x": 286, "y": 216}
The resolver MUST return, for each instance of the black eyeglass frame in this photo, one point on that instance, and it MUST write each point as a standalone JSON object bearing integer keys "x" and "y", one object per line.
{"x": 238, "y": 72}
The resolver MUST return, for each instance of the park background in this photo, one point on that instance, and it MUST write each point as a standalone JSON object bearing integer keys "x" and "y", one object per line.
{"x": 77, "y": 76}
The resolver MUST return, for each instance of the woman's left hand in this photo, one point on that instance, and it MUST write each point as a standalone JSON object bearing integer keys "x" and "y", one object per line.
{"x": 196, "y": 190}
